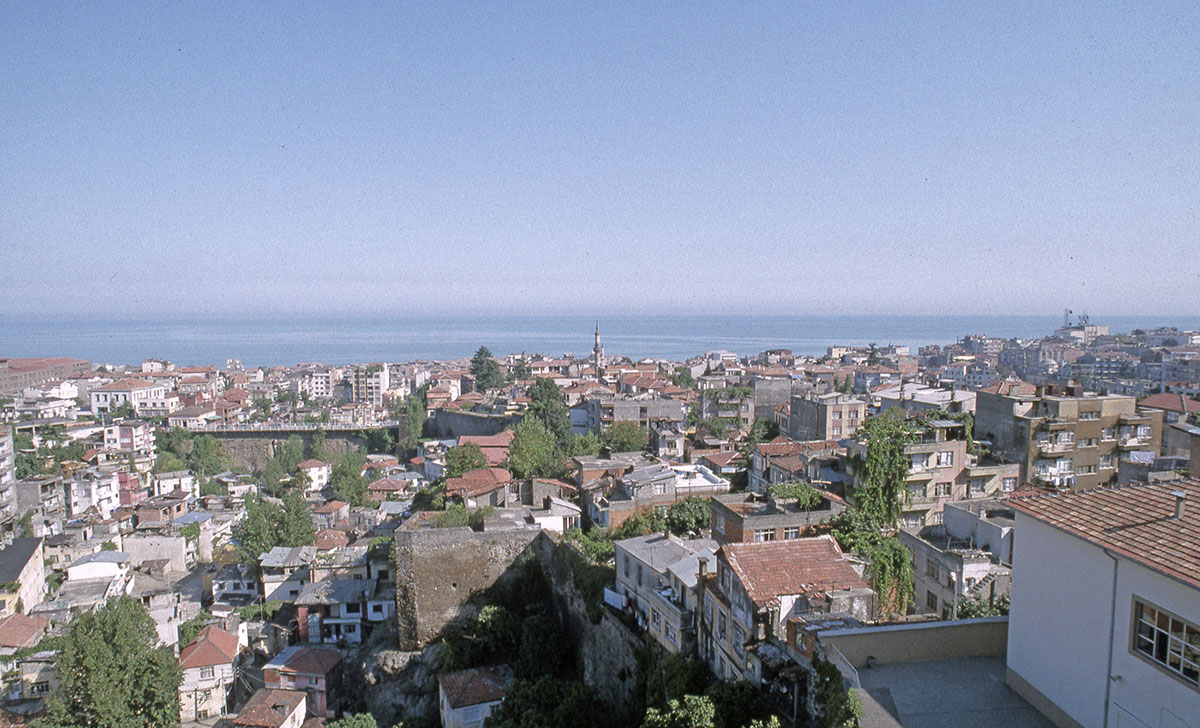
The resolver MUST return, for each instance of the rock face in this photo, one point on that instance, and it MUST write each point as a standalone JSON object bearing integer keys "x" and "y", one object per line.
{"x": 396, "y": 684}
{"x": 443, "y": 574}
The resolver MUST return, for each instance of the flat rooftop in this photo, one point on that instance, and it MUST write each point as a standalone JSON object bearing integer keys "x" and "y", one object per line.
{"x": 962, "y": 692}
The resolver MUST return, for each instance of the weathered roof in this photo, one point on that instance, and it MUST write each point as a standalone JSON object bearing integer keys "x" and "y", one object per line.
{"x": 270, "y": 707}
{"x": 475, "y": 686}
{"x": 660, "y": 550}
{"x": 18, "y": 630}
{"x": 770, "y": 569}
{"x": 281, "y": 556}
{"x": 1134, "y": 521}
{"x": 15, "y": 556}
{"x": 335, "y": 591}
{"x": 1171, "y": 402}
{"x": 305, "y": 660}
{"x": 212, "y": 646}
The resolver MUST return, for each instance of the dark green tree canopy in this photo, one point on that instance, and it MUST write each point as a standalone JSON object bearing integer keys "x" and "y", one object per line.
{"x": 486, "y": 371}
{"x": 534, "y": 451}
{"x": 463, "y": 458}
{"x": 624, "y": 436}
{"x": 113, "y": 673}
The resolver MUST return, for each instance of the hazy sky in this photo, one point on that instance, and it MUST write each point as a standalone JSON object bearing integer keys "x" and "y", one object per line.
{"x": 803, "y": 157}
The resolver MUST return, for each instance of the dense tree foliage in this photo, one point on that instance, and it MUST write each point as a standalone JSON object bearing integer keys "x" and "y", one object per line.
{"x": 380, "y": 440}
{"x": 534, "y": 451}
{"x": 804, "y": 495}
{"x": 884, "y": 470}
{"x": 624, "y": 436}
{"x": 464, "y": 458}
{"x": 549, "y": 703}
{"x": 693, "y": 711}
{"x": 266, "y": 525}
{"x": 689, "y": 515}
{"x": 486, "y": 371}
{"x": 354, "y": 720}
{"x": 347, "y": 479}
{"x": 113, "y": 673}
{"x": 548, "y": 404}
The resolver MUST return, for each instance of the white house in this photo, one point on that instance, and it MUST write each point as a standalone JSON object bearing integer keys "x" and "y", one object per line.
{"x": 316, "y": 474}
{"x": 1105, "y": 624}
{"x": 208, "y": 663}
{"x": 137, "y": 393}
{"x": 468, "y": 697}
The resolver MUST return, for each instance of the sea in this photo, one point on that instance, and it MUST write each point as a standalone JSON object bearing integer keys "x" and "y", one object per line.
{"x": 274, "y": 341}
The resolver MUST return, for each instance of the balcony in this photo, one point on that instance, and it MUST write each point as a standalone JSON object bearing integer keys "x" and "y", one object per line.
{"x": 1051, "y": 447}
{"x": 1055, "y": 479}
{"x": 1132, "y": 442}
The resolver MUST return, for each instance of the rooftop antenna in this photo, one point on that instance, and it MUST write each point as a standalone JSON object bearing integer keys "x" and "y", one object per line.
{"x": 1066, "y": 317}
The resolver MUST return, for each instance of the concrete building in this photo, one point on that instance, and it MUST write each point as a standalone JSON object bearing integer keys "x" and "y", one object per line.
{"x": 314, "y": 671}
{"x": 17, "y": 374}
{"x": 283, "y": 571}
{"x": 825, "y": 416}
{"x": 653, "y": 572}
{"x": 209, "y": 665}
{"x": 271, "y": 708}
{"x": 467, "y": 698}
{"x": 130, "y": 436}
{"x": 8, "y": 482}
{"x": 137, "y": 394}
{"x": 601, "y": 410}
{"x": 651, "y": 487}
{"x": 22, "y": 575}
{"x": 749, "y": 517}
{"x": 1105, "y": 622}
{"x": 1072, "y": 440}
{"x": 369, "y": 383}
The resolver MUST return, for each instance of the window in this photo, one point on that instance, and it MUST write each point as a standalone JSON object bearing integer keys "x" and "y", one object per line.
{"x": 206, "y": 672}
{"x": 1167, "y": 640}
{"x": 660, "y": 489}
{"x": 670, "y": 634}
{"x": 722, "y": 625}
{"x": 655, "y": 618}
{"x": 1108, "y": 433}
{"x": 1106, "y": 461}
{"x": 1008, "y": 485}
{"x": 40, "y": 688}
{"x": 945, "y": 459}
{"x": 931, "y": 601}
{"x": 933, "y": 569}
{"x": 1085, "y": 469}
{"x": 1089, "y": 442}
{"x": 376, "y": 609}
{"x": 739, "y": 638}
{"x": 941, "y": 490}
{"x": 977, "y": 488}
{"x": 205, "y": 694}
{"x": 837, "y": 414}
{"x": 353, "y": 608}
{"x": 837, "y": 430}
{"x": 1090, "y": 415}
{"x": 639, "y": 574}
{"x": 791, "y": 532}
{"x": 201, "y": 714}
{"x": 625, "y": 560}
{"x": 719, "y": 523}
{"x": 764, "y": 534}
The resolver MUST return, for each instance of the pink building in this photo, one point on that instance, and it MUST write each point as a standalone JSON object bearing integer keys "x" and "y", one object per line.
{"x": 309, "y": 669}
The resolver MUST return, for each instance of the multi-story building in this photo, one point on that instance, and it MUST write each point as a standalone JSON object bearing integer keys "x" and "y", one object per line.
{"x": 602, "y": 409}
{"x": 8, "y": 482}
{"x": 1070, "y": 440}
{"x": 759, "y": 587}
{"x": 129, "y": 436}
{"x": 825, "y": 416}
{"x": 651, "y": 487}
{"x": 138, "y": 394}
{"x": 368, "y": 383}
{"x": 22, "y": 575}
{"x": 41, "y": 498}
{"x": 1105, "y": 621}
{"x": 92, "y": 488}
{"x": 209, "y": 665}
{"x": 17, "y": 374}
{"x": 656, "y": 574}
{"x": 941, "y": 471}
{"x": 749, "y": 517}
{"x": 311, "y": 670}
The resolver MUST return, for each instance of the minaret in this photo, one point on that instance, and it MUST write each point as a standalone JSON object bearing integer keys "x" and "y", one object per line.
{"x": 598, "y": 352}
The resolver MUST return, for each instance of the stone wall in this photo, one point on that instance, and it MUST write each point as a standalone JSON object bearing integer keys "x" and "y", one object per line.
{"x": 440, "y": 570}
{"x": 451, "y": 423}
{"x": 250, "y": 451}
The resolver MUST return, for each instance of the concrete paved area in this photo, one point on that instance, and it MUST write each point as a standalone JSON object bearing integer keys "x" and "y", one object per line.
{"x": 966, "y": 692}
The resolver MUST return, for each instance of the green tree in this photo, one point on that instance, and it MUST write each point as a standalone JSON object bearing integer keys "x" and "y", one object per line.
{"x": 805, "y": 495}
{"x": 347, "y": 479}
{"x": 596, "y": 543}
{"x": 206, "y": 456}
{"x": 296, "y": 525}
{"x": 544, "y": 649}
{"x": 355, "y": 720}
{"x": 549, "y": 703}
{"x": 683, "y": 378}
{"x": 380, "y": 440}
{"x": 972, "y": 606}
{"x": 534, "y": 451}
{"x": 486, "y": 371}
{"x": 548, "y": 404}
{"x": 464, "y": 458}
{"x": 414, "y": 420}
{"x": 891, "y": 571}
{"x": 317, "y": 448}
{"x": 693, "y": 711}
{"x": 580, "y": 445}
{"x": 290, "y": 453}
{"x": 257, "y": 532}
{"x": 689, "y": 515}
{"x": 884, "y": 470}
{"x": 624, "y": 436}
{"x": 640, "y": 525}
{"x": 113, "y": 673}
{"x": 735, "y": 701}
{"x": 189, "y": 629}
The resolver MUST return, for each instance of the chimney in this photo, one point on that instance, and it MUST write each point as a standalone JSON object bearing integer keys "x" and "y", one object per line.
{"x": 1180, "y": 497}
{"x": 702, "y": 564}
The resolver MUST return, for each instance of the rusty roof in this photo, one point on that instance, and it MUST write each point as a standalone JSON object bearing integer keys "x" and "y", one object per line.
{"x": 475, "y": 686}
{"x": 1134, "y": 521}
{"x": 770, "y": 569}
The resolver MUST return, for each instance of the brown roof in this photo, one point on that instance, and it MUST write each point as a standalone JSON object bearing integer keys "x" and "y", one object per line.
{"x": 330, "y": 507}
{"x": 125, "y": 385}
{"x": 500, "y": 439}
{"x": 1010, "y": 387}
{"x": 1171, "y": 402}
{"x": 331, "y": 539}
{"x": 770, "y": 569}
{"x": 477, "y": 482}
{"x": 270, "y": 707}
{"x": 1134, "y": 521}
{"x": 312, "y": 661}
{"x": 475, "y": 686}
{"x": 18, "y": 630}
{"x": 312, "y": 464}
{"x": 777, "y": 448}
{"x": 212, "y": 646}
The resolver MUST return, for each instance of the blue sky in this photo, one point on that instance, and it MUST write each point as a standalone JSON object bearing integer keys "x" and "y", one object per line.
{"x": 396, "y": 157}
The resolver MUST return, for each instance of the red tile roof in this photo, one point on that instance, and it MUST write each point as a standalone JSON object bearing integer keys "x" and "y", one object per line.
{"x": 212, "y": 646}
{"x": 1170, "y": 402}
{"x": 1134, "y": 521}
{"x": 475, "y": 686}
{"x": 771, "y": 569}
{"x": 312, "y": 464}
{"x": 312, "y": 661}
{"x": 270, "y": 708}
{"x": 478, "y": 482}
{"x": 778, "y": 448}
{"x": 18, "y": 630}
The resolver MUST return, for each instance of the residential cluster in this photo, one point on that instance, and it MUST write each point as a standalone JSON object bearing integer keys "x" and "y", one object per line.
{"x": 1041, "y": 520}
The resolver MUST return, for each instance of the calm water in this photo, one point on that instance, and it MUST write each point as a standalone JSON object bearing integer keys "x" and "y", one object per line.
{"x": 283, "y": 341}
